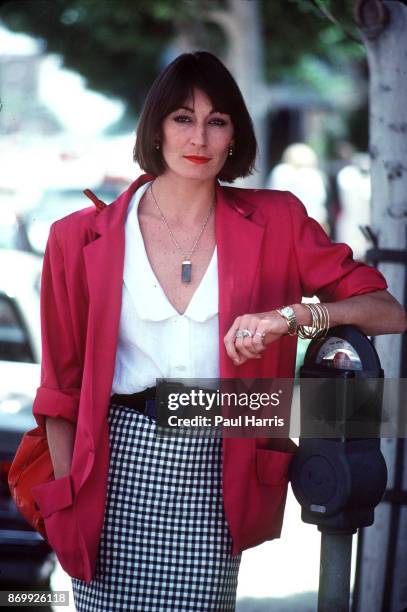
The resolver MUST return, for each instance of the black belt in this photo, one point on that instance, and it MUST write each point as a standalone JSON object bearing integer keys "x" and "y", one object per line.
{"x": 143, "y": 402}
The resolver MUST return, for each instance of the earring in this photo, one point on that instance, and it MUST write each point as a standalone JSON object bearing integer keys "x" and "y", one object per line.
{"x": 230, "y": 150}
{"x": 157, "y": 146}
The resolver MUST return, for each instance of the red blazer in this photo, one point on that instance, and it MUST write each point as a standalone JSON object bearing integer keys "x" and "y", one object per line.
{"x": 270, "y": 253}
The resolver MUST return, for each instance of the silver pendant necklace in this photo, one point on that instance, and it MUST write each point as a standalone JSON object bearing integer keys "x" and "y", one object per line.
{"x": 186, "y": 265}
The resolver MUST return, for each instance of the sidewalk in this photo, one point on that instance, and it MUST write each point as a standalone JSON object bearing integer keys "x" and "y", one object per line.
{"x": 304, "y": 602}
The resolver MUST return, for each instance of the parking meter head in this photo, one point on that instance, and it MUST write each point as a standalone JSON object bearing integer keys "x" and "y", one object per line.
{"x": 341, "y": 386}
{"x": 344, "y": 348}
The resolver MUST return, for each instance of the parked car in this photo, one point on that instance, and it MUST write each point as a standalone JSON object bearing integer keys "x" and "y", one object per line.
{"x": 59, "y": 202}
{"x": 25, "y": 558}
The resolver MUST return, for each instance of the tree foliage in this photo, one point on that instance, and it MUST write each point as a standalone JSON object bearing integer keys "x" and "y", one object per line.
{"x": 120, "y": 45}
{"x": 301, "y": 28}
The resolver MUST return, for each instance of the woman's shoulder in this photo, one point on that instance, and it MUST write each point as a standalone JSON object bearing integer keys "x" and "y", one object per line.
{"x": 75, "y": 227}
{"x": 78, "y": 218}
{"x": 265, "y": 200}
{"x": 257, "y": 195}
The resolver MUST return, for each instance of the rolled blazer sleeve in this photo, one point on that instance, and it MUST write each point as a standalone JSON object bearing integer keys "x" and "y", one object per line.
{"x": 61, "y": 374}
{"x": 328, "y": 269}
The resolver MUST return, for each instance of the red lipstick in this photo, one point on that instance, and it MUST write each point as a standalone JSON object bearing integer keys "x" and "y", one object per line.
{"x": 197, "y": 159}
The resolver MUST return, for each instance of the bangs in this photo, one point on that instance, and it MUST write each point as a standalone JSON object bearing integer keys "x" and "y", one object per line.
{"x": 182, "y": 90}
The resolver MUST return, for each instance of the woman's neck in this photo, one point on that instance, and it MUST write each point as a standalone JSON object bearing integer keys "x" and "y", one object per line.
{"x": 183, "y": 200}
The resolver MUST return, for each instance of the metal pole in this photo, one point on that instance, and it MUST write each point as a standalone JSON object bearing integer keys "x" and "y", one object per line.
{"x": 334, "y": 573}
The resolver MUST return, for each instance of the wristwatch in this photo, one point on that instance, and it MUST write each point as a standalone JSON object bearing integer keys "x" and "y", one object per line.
{"x": 289, "y": 315}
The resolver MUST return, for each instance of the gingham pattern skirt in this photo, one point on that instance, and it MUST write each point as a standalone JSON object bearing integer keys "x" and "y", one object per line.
{"x": 165, "y": 544}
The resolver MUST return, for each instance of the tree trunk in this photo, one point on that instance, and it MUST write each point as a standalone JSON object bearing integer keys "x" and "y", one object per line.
{"x": 381, "y": 584}
{"x": 246, "y": 60}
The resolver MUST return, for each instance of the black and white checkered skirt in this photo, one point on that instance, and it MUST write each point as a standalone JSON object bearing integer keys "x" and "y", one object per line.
{"x": 165, "y": 544}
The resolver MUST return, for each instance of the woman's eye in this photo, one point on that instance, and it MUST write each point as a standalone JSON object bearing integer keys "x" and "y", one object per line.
{"x": 218, "y": 122}
{"x": 182, "y": 118}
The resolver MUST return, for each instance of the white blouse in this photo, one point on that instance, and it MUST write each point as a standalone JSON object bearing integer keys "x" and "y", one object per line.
{"x": 155, "y": 341}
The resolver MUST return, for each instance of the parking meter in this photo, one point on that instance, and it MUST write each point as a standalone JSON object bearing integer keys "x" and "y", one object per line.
{"x": 338, "y": 480}
{"x": 338, "y": 474}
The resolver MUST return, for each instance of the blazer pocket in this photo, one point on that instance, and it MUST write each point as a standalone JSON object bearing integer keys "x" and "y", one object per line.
{"x": 273, "y": 466}
{"x": 55, "y": 499}
{"x": 53, "y": 495}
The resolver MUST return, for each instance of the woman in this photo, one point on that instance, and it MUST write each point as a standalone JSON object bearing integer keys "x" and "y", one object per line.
{"x": 179, "y": 277}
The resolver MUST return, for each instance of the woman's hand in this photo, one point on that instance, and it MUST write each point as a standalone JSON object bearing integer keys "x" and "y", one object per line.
{"x": 265, "y": 327}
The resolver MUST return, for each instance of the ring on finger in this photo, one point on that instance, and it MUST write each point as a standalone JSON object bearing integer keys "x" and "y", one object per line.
{"x": 261, "y": 334}
{"x": 244, "y": 333}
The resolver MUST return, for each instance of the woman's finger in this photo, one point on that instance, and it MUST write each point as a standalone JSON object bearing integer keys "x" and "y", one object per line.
{"x": 244, "y": 345}
{"x": 229, "y": 341}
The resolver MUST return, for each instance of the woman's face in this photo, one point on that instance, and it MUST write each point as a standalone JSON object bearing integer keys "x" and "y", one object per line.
{"x": 196, "y": 139}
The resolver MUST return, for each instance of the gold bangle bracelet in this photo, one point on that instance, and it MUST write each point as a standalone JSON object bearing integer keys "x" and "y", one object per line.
{"x": 320, "y": 322}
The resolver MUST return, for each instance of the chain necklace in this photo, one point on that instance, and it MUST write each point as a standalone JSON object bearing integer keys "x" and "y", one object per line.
{"x": 186, "y": 266}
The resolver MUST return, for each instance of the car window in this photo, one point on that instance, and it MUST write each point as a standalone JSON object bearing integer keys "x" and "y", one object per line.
{"x": 14, "y": 339}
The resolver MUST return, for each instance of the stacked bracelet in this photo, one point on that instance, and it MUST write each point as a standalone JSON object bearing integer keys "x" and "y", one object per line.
{"x": 320, "y": 322}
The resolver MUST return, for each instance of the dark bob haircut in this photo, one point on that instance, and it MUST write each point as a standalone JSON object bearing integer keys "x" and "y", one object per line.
{"x": 172, "y": 88}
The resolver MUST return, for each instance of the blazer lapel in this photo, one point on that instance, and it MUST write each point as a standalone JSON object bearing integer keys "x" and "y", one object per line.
{"x": 104, "y": 263}
{"x": 239, "y": 242}
{"x": 104, "y": 256}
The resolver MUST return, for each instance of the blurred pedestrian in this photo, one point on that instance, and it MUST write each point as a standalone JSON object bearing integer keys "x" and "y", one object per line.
{"x": 298, "y": 172}
{"x": 354, "y": 191}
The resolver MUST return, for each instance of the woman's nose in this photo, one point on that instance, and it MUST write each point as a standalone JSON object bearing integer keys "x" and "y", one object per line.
{"x": 199, "y": 136}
